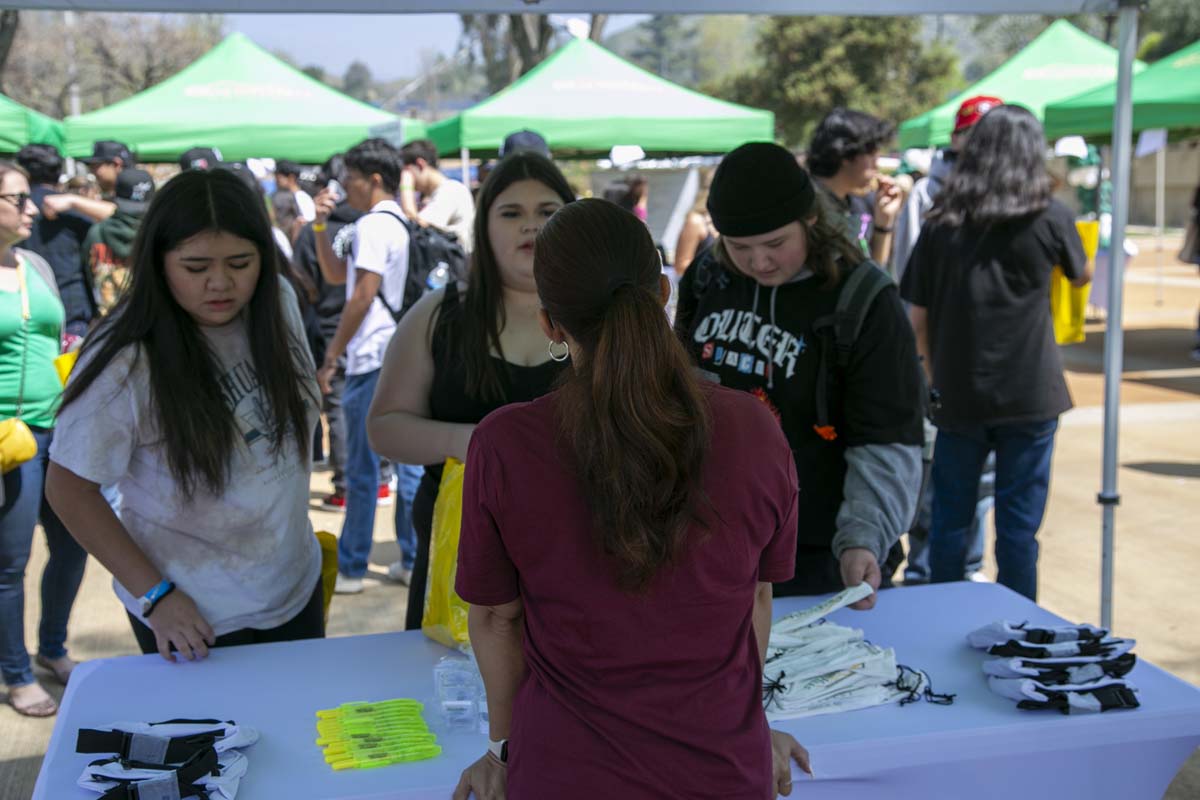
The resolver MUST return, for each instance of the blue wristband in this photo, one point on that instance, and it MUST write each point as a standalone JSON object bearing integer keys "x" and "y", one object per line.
{"x": 150, "y": 599}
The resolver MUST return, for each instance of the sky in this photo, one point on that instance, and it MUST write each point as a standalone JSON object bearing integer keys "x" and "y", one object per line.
{"x": 391, "y": 45}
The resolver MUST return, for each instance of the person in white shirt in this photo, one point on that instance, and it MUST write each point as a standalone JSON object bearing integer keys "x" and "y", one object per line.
{"x": 446, "y": 204}
{"x": 196, "y": 399}
{"x": 375, "y": 282}
{"x": 287, "y": 179}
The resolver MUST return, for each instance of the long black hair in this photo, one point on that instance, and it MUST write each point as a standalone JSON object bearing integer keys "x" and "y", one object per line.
{"x": 195, "y": 421}
{"x": 1000, "y": 173}
{"x": 483, "y": 307}
{"x": 631, "y": 409}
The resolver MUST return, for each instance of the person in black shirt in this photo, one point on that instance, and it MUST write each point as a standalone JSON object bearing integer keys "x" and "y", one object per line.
{"x": 748, "y": 312}
{"x": 979, "y": 282}
{"x": 59, "y": 240}
{"x": 841, "y": 156}
{"x": 466, "y": 350}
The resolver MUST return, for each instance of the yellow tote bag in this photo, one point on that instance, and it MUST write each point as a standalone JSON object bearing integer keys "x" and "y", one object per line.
{"x": 445, "y": 619}
{"x": 329, "y": 567}
{"x": 1068, "y": 304}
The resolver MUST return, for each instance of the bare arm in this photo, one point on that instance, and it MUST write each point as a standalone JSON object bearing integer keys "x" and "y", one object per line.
{"x": 762, "y": 618}
{"x": 689, "y": 239}
{"x": 919, "y": 318}
{"x": 408, "y": 197}
{"x": 88, "y": 516}
{"x": 1085, "y": 276}
{"x": 333, "y": 269}
{"x": 398, "y": 424}
{"x": 95, "y": 210}
{"x": 496, "y": 636}
{"x": 366, "y": 286}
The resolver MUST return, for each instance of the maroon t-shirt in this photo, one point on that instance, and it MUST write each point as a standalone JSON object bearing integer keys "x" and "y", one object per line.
{"x": 632, "y": 696}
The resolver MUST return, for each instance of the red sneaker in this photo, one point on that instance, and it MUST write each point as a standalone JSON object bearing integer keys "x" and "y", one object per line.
{"x": 334, "y": 502}
{"x": 385, "y": 495}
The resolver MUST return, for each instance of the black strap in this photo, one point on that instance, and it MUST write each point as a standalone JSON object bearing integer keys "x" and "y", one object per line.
{"x": 133, "y": 745}
{"x": 195, "y": 768}
{"x": 1014, "y": 649}
{"x": 1110, "y": 697}
{"x": 837, "y": 332}
{"x": 1046, "y": 636}
{"x": 396, "y": 313}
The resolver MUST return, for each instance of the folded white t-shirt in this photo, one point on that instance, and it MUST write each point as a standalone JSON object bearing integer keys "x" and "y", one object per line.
{"x": 247, "y": 557}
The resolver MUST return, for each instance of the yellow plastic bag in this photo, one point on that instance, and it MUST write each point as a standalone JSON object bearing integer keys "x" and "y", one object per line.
{"x": 329, "y": 567}
{"x": 1068, "y": 304}
{"x": 64, "y": 364}
{"x": 445, "y": 619}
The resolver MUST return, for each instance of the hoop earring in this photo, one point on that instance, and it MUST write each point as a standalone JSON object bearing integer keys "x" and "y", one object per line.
{"x": 560, "y": 357}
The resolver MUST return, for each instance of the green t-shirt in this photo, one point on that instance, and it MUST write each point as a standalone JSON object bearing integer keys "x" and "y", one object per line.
{"x": 42, "y": 386}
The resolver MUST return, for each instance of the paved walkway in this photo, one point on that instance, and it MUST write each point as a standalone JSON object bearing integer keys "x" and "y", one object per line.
{"x": 1157, "y": 553}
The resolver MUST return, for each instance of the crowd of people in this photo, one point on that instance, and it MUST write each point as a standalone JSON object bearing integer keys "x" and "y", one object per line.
{"x": 625, "y": 472}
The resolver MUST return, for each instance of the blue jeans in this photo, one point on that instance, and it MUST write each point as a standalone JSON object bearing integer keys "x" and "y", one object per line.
{"x": 1023, "y": 457}
{"x": 917, "y": 568}
{"x": 24, "y": 505}
{"x": 362, "y": 485}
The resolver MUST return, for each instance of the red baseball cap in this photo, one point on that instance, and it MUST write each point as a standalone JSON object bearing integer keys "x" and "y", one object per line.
{"x": 973, "y": 109}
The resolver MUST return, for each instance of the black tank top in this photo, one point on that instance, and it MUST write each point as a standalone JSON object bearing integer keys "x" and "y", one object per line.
{"x": 448, "y": 398}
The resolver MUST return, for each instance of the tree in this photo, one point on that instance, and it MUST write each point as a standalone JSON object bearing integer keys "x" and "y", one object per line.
{"x": 810, "y": 65}
{"x": 509, "y": 45}
{"x": 357, "y": 81}
{"x": 1167, "y": 26}
{"x": 315, "y": 72}
{"x": 668, "y": 48}
{"x": 117, "y": 55}
{"x": 9, "y": 23}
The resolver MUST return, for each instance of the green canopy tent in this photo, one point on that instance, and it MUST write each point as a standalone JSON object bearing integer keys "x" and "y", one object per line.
{"x": 584, "y": 100}
{"x": 239, "y": 99}
{"x": 1165, "y": 95}
{"x": 20, "y": 126}
{"x": 1060, "y": 63}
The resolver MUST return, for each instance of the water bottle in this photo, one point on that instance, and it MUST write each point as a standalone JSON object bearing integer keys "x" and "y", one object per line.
{"x": 456, "y": 685}
{"x": 439, "y": 276}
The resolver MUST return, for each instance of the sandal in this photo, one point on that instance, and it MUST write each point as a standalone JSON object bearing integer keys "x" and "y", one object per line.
{"x": 43, "y": 706}
{"x": 60, "y": 667}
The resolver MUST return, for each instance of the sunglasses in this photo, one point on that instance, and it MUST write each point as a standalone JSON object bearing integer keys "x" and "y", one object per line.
{"x": 18, "y": 200}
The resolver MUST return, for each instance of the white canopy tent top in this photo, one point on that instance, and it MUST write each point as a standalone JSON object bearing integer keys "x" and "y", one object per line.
{"x": 1122, "y": 142}
{"x": 778, "y": 7}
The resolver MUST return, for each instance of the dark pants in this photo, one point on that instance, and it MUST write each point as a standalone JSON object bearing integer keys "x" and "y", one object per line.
{"x": 331, "y": 404}
{"x": 1023, "y": 458}
{"x": 24, "y": 505}
{"x": 308, "y": 624}
{"x": 422, "y": 518}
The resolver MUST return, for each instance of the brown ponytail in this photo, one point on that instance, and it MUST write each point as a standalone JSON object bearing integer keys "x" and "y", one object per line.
{"x": 631, "y": 411}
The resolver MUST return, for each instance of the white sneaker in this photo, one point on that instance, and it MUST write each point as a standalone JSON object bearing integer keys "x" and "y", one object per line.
{"x": 979, "y": 577}
{"x": 398, "y": 573}
{"x": 347, "y": 585}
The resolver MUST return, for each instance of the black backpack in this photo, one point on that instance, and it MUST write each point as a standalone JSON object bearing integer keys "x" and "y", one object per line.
{"x": 435, "y": 258}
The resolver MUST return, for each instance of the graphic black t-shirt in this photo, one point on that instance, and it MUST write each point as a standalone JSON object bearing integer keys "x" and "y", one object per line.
{"x": 761, "y": 340}
{"x": 991, "y": 336}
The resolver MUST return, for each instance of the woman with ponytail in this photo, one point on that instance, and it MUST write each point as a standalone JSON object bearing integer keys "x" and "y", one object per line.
{"x": 619, "y": 540}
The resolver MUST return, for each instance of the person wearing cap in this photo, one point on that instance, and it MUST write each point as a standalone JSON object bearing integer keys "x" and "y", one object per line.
{"x": 200, "y": 158}
{"x": 109, "y": 244}
{"x": 908, "y": 229}
{"x": 750, "y": 311}
{"x": 59, "y": 240}
{"x": 524, "y": 140}
{"x": 841, "y": 156}
{"x": 287, "y": 179}
{"x": 106, "y": 162}
{"x": 446, "y": 204}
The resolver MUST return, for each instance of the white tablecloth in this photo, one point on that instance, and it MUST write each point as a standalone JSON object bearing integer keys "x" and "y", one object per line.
{"x": 980, "y": 748}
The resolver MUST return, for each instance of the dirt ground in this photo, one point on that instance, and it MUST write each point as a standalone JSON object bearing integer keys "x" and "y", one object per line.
{"x": 1157, "y": 550}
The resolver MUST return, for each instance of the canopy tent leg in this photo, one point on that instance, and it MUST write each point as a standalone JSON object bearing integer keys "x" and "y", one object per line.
{"x": 1114, "y": 337}
{"x": 1160, "y": 212}
{"x": 465, "y": 155}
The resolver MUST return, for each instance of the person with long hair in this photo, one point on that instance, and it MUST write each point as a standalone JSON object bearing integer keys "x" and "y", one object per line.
{"x": 31, "y": 328}
{"x": 761, "y": 313}
{"x": 978, "y": 281}
{"x": 619, "y": 540}
{"x": 197, "y": 399}
{"x": 464, "y": 351}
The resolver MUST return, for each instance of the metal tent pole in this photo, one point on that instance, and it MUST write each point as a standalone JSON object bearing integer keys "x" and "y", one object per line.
{"x": 1114, "y": 339}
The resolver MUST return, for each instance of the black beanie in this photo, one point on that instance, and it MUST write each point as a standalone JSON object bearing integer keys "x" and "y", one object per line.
{"x": 759, "y": 188}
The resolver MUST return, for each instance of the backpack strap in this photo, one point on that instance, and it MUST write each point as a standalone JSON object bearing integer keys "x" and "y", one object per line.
{"x": 839, "y": 331}
{"x": 395, "y": 312}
